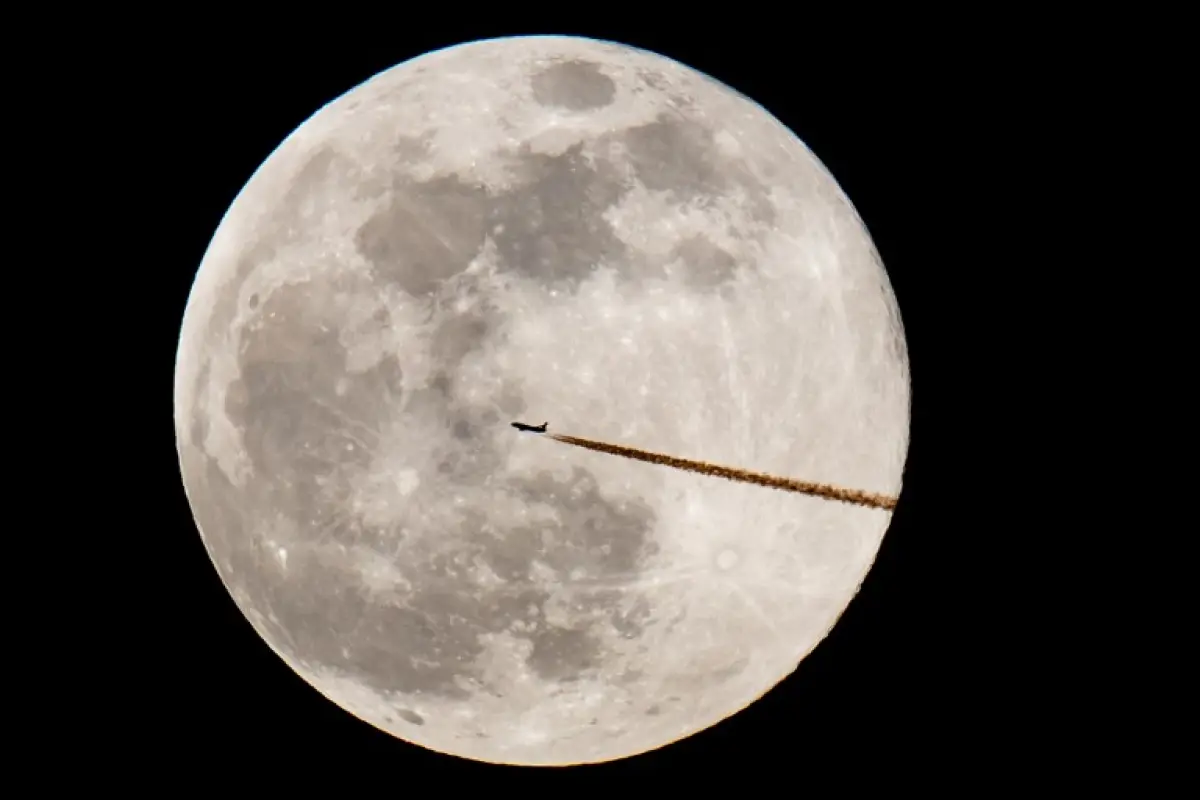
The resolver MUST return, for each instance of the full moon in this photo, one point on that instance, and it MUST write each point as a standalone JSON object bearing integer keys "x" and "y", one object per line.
{"x": 533, "y": 229}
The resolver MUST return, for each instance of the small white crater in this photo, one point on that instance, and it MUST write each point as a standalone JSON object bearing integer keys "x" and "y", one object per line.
{"x": 407, "y": 482}
{"x": 727, "y": 143}
{"x": 281, "y": 552}
{"x": 727, "y": 559}
{"x": 529, "y": 735}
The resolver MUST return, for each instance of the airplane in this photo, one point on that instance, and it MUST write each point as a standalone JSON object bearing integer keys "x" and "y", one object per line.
{"x": 521, "y": 426}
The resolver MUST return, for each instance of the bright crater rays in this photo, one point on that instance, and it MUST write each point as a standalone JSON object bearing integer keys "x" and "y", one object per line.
{"x": 539, "y": 229}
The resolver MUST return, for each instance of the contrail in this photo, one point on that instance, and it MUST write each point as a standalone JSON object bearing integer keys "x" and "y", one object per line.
{"x": 823, "y": 490}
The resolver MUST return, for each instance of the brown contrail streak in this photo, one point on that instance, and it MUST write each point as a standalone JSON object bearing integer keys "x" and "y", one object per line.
{"x": 823, "y": 490}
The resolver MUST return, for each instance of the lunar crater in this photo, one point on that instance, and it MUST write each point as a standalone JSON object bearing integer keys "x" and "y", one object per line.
{"x": 573, "y": 85}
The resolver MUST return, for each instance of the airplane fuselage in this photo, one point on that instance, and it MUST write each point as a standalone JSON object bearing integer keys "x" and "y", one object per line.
{"x": 521, "y": 426}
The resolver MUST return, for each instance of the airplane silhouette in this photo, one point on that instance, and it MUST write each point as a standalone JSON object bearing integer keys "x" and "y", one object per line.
{"x": 521, "y": 426}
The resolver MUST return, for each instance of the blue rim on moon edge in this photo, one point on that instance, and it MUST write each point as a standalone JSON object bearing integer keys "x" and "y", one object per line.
{"x": 539, "y": 228}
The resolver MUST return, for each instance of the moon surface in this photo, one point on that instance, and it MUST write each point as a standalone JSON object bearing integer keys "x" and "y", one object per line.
{"x": 539, "y": 228}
